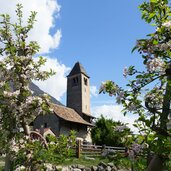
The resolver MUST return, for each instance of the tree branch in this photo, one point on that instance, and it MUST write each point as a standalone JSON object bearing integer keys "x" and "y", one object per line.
{"x": 40, "y": 137}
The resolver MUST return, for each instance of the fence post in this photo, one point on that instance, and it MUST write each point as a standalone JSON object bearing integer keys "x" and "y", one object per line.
{"x": 103, "y": 148}
{"x": 78, "y": 149}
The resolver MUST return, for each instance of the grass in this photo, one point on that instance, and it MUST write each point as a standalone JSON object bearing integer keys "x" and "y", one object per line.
{"x": 71, "y": 161}
{"x": 83, "y": 161}
{"x": 122, "y": 162}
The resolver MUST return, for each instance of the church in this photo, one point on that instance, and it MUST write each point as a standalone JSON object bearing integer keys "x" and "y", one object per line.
{"x": 76, "y": 114}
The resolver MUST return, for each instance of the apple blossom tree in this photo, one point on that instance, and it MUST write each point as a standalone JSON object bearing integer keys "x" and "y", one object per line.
{"x": 18, "y": 105}
{"x": 148, "y": 92}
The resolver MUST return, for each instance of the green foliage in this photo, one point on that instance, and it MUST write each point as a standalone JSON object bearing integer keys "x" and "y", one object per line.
{"x": 148, "y": 92}
{"x": 63, "y": 146}
{"x": 32, "y": 154}
{"x": 104, "y": 133}
{"x": 17, "y": 70}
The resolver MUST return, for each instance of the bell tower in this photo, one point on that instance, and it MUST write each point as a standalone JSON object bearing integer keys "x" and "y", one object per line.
{"x": 78, "y": 90}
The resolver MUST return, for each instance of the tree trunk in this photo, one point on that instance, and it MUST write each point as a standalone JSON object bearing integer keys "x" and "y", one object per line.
{"x": 8, "y": 163}
{"x": 156, "y": 164}
{"x": 26, "y": 128}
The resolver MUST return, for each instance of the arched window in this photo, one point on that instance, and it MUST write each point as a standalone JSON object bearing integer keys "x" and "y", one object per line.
{"x": 85, "y": 81}
{"x": 75, "y": 81}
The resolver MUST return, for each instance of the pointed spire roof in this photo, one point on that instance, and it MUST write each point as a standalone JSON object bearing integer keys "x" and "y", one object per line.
{"x": 77, "y": 69}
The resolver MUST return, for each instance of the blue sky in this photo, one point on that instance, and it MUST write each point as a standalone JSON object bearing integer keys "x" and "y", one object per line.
{"x": 100, "y": 34}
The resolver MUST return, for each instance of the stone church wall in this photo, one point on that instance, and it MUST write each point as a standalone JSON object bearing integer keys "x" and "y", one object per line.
{"x": 82, "y": 132}
{"x": 47, "y": 121}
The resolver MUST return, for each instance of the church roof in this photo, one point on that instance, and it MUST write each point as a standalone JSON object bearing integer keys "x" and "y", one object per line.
{"x": 89, "y": 115}
{"x": 68, "y": 114}
{"x": 77, "y": 69}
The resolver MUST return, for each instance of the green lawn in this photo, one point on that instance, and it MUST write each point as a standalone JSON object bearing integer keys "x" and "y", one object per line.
{"x": 71, "y": 161}
{"x": 83, "y": 161}
{"x": 124, "y": 162}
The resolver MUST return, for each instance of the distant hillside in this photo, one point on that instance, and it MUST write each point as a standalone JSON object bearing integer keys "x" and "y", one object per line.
{"x": 37, "y": 91}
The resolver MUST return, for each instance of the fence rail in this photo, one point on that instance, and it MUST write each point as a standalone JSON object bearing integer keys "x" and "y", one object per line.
{"x": 95, "y": 150}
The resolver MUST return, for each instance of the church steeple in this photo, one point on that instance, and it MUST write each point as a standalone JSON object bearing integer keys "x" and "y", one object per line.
{"x": 77, "y": 69}
{"x": 78, "y": 90}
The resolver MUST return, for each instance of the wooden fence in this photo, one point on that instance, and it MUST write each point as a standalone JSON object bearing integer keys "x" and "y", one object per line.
{"x": 95, "y": 150}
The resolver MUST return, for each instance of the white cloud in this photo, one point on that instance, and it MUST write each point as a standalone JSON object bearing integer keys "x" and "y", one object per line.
{"x": 57, "y": 84}
{"x": 114, "y": 112}
{"x": 47, "y": 12}
{"x": 93, "y": 91}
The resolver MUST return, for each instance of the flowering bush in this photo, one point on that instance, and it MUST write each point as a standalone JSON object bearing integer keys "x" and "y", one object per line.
{"x": 31, "y": 154}
{"x": 18, "y": 106}
{"x": 149, "y": 91}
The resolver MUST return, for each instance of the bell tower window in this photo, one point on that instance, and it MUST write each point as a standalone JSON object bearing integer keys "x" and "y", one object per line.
{"x": 75, "y": 81}
{"x": 85, "y": 81}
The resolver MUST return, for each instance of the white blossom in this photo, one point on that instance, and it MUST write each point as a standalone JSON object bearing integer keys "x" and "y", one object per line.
{"x": 138, "y": 80}
{"x": 29, "y": 155}
{"x": 156, "y": 65}
{"x": 38, "y": 110}
{"x": 131, "y": 154}
{"x": 155, "y": 97}
{"x": 17, "y": 72}
{"x": 40, "y": 101}
{"x": 145, "y": 146}
{"x": 48, "y": 166}
{"x": 131, "y": 107}
{"x": 14, "y": 146}
{"x": 136, "y": 149}
{"x": 2, "y": 83}
{"x": 120, "y": 97}
{"x": 50, "y": 109}
{"x": 26, "y": 88}
{"x": 52, "y": 143}
{"x": 121, "y": 128}
{"x": 29, "y": 99}
{"x": 125, "y": 72}
{"x": 16, "y": 93}
{"x": 164, "y": 46}
{"x": 8, "y": 94}
{"x": 103, "y": 87}
{"x": 20, "y": 168}
{"x": 167, "y": 24}
{"x": 21, "y": 141}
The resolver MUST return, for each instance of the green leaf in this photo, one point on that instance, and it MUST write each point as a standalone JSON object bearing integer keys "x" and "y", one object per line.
{"x": 151, "y": 15}
{"x": 134, "y": 49}
{"x": 135, "y": 125}
{"x": 155, "y": 42}
{"x": 153, "y": 24}
{"x": 139, "y": 76}
{"x": 153, "y": 1}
